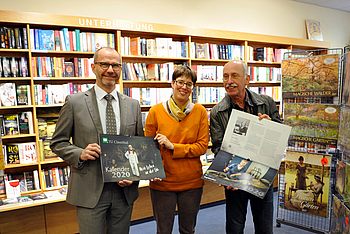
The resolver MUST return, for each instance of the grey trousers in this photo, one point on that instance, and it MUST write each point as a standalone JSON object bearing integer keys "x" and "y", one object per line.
{"x": 112, "y": 213}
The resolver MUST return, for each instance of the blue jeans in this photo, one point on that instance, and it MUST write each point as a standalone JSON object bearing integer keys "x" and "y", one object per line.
{"x": 236, "y": 211}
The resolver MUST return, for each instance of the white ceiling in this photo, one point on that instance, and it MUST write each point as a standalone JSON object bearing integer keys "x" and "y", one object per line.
{"x": 343, "y": 5}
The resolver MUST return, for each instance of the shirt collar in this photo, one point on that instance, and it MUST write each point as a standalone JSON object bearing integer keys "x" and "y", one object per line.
{"x": 100, "y": 93}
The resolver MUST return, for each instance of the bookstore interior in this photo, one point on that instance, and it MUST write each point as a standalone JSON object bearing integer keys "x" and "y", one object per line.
{"x": 44, "y": 58}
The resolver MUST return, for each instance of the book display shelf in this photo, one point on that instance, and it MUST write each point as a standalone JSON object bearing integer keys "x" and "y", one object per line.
{"x": 46, "y": 57}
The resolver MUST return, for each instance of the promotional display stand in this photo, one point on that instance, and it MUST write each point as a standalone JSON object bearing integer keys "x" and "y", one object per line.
{"x": 311, "y": 85}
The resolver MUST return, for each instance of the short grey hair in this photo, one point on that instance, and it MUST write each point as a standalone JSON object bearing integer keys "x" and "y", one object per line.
{"x": 103, "y": 48}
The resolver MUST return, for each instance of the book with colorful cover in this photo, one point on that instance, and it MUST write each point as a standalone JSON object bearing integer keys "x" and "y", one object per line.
{"x": 46, "y": 39}
{"x": 130, "y": 157}
{"x": 12, "y": 154}
{"x": 311, "y": 76}
{"x": 307, "y": 182}
{"x": 11, "y": 124}
{"x": 23, "y": 95}
{"x": 8, "y": 94}
{"x": 27, "y": 152}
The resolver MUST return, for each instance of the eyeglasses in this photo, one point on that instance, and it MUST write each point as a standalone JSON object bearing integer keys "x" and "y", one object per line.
{"x": 105, "y": 66}
{"x": 181, "y": 83}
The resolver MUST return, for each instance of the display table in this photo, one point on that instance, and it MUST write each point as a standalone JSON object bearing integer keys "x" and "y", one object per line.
{"x": 57, "y": 216}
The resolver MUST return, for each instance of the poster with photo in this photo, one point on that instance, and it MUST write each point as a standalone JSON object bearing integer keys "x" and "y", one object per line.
{"x": 242, "y": 173}
{"x": 344, "y": 130}
{"x": 346, "y": 81}
{"x": 262, "y": 141}
{"x": 313, "y": 122}
{"x": 307, "y": 182}
{"x": 346, "y": 194}
{"x": 130, "y": 157}
{"x": 340, "y": 177}
{"x": 310, "y": 76}
{"x": 340, "y": 217}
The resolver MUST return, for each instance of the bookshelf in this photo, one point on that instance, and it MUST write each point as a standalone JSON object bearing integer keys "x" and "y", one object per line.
{"x": 206, "y": 48}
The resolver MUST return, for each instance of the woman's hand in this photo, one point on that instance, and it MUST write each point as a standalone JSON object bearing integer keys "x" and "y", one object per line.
{"x": 163, "y": 140}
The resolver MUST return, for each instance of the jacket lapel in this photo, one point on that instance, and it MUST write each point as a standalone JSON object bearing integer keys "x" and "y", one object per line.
{"x": 91, "y": 103}
{"x": 123, "y": 111}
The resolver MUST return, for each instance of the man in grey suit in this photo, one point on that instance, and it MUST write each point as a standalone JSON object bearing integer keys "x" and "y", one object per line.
{"x": 101, "y": 207}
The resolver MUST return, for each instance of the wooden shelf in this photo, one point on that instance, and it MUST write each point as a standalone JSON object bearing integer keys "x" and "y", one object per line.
{"x": 148, "y": 59}
{"x": 264, "y": 84}
{"x": 8, "y": 79}
{"x": 56, "y": 207}
{"x": 11, "y": 166}
{"x": 264, "y": 64}
{"x": 51, "y": 53}
{"x": 17, "y": 136}
{"x": 146, "y": 84}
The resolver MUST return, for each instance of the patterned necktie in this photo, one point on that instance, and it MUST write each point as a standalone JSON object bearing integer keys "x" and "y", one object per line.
{"x": 111, "y": 126}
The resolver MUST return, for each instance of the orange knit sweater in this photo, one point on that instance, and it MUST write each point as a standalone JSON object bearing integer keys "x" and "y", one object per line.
{"x": 190, "y": 137}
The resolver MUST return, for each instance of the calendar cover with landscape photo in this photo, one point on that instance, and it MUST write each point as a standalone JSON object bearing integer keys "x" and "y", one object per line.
{"x": 310, "y": 76}
{"x": 315, "y": 122}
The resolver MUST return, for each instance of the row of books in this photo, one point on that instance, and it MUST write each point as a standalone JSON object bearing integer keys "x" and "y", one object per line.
{"x": 22, "y": 181}
{"x": 13, "y": 38}
{"x": 55, "y": 177}
{"x": 208, "y": 95}
{"x": 216, "y": 51}
{"x": 20, "y": 153}
{"x": 13, "y": 95}
{"x": 56, "y": 94}
{"x": 13, "y": 67}
{"x": 153, "y": 47}
{"x": 163, "y": 72}
{"x": 12, "y": 185}
{"x": 152, "y": 96}
{"x": 16, "y": 124}
{"x": 266, "y": 54}
{"x": 62, "y": 67}
{"x": 265, "y": 74}
{"x": 149, "y": 96}
{"x": 274, "y": 92}
{"x": 208, "y": 72}
{"x": 143, "y": 71}
{"x": 70, "y": 40}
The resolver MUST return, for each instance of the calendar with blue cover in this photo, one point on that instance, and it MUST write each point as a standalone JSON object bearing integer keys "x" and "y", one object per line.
{"x": 130, "y": 158}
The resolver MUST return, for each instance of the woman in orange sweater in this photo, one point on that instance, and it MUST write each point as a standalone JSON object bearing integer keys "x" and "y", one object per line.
{"x": 181, "y": 129}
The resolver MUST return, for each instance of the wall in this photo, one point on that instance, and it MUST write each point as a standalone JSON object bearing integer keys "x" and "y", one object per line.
{"x": 271, "y": 17}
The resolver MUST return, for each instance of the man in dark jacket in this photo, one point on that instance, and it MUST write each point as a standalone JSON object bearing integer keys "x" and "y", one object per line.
{"x": 238, "y": 97}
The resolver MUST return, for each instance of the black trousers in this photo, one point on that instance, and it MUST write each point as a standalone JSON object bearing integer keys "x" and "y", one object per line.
{"x": 236, "y": 211}
{"x": 164, "y": 206}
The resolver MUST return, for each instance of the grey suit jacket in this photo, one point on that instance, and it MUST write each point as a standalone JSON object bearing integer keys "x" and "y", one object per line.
{"x": 80, "y": 120}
